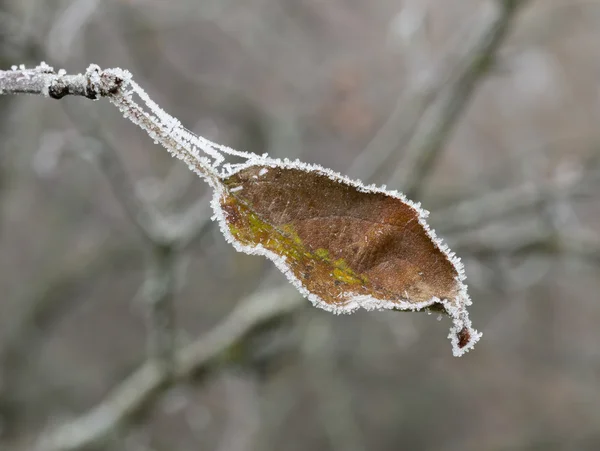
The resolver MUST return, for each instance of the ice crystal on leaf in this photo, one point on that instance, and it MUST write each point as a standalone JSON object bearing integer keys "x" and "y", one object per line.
{"x": 342, "y": 244}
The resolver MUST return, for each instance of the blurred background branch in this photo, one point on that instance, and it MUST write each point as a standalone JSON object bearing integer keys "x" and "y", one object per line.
{"x": 428, "y": 140}
{"x": 118, "y": 293}
{"x": 131, "y": 398}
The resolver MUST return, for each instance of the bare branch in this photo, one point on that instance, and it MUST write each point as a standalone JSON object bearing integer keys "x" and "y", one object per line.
{"x": 160, "y": 283}
{"x": 159, "y": 290}
{"x": 381, "y": 152}
{"x": 191, "y": 225}
{"x": 334, "y": 397}
{"x": 396, "y": 130}
{"x": 575, "y": 183}
{"x": 437, "y": 124}
{"x": 243, "y": 406}
{"x": 118, "y": 86}
{"x": 469, "y": 214}
{"x": 531, "y": 238}
{"x": 165, "y": 238}
{"x": 133, "y": 396}
{"x": 145, "y": 218}
{"x": 42, "y": 306}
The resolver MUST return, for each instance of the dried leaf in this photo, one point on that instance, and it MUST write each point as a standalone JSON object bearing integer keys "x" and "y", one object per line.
{"x": 342, "y": 244}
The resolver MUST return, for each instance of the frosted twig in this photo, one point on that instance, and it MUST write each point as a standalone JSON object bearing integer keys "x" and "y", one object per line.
{"x": 45, "y": 81}
{"x": 126, "y": 401}
{"x": 434, "y": 130}
{"x": 118, "y": 86}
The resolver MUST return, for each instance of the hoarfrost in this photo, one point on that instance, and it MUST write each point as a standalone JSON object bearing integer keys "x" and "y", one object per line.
{"x": 456, "y": 308}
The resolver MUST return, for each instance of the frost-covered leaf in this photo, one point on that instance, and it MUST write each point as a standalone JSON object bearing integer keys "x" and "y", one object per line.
{"x": 342, "y": 244}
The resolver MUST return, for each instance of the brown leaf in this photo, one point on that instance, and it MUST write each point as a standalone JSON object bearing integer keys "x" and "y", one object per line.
{"x": 342, "y": 244}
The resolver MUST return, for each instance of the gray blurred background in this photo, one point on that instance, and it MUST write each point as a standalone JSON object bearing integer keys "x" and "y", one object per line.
{"x": 500, "y": 141}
